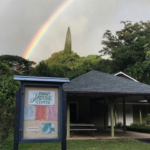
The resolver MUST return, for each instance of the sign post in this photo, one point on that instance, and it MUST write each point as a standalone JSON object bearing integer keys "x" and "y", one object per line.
{"x": 40, "y": 111}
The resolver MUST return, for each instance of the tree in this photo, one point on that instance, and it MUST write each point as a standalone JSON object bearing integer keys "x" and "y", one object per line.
{"x": 67, "y": 48}
{"x": 62, "y": 58}
{"x": 83, "y": 65}
{"x": 54, "y": 70}
{"x": 127, "y": 51}
{"x": 18, "y": 64}
{"x": 66, "y": 63}
{"x": 60, "y": 63}
{"x": 104, "y": 65}
{"x": 42, "y": 69}
{"x": 4, "y": 70}
{"x": 8, "y": 88}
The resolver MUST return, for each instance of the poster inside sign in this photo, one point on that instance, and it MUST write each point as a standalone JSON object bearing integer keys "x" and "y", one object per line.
{"x": 29, "y": 112}
{"x": 39, "y": 97}
{"x": 48, "y": 128}
{"x": 40, "y": 113}
{"x": 52, "y": 113}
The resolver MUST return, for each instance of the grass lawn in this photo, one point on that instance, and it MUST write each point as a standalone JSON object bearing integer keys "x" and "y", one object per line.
{"x": 122, "y": 144}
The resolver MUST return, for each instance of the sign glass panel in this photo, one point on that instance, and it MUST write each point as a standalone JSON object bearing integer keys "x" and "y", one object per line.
{"x": 40, "y": 113}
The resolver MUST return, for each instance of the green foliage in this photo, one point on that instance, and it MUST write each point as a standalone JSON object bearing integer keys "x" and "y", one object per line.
{"x": 87, "y": 63}
{"x": 71, "y": 65}
{"x": 147, "y": 50}
{"x": 8, "y": 88}
{"x": 18, "y": 64}
{"x": 147, "y": 119}
{"x": 138, "y": 128}
{"x": 61, "y": 58}
{"x": 42, "y": 69}
{"x": 102, "y": 144}
{"x": 54, "y": 70}
{"x": 4, "y": 70}
{"x": 60, "y": 63}
{"x": 104, "y": 65}
{"x": 129, "y": 50}
{"x": 83, "y": 65}
{"x": 59, "y": 70}
{"x": 67, "y": 48}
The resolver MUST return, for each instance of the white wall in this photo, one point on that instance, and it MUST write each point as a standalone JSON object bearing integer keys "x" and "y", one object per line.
{"x": 119, "y": 116}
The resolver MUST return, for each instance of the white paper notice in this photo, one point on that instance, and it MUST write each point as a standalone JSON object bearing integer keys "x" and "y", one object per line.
{"x": 29, "y": 112}
{"x": 32, "y": 129}
{"x": 39, "y": 97}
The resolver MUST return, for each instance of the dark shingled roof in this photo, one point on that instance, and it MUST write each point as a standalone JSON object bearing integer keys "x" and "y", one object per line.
{"x": 99, "y": 82}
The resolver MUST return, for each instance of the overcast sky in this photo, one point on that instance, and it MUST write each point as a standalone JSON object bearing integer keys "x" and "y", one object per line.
{"x": 20, "y": 20}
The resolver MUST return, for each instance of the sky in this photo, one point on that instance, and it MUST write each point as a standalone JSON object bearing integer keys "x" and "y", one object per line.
{"x": 20, "y": 20}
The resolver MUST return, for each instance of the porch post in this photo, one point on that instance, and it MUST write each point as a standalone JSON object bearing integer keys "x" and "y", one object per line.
{"x": 148, "y": 99}
{"x": 140, "y": 115}
{"x": 124, "y": 115}
{"x": 104, "y": 113}
{"x": 112, "y": 116}
{"x": 115, "y": 110}
{"x": 68, "y": 119}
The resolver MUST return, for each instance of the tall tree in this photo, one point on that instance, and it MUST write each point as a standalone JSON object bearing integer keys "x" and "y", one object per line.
{"x": 127, "y": 50}
{"x": 67, "y": 48}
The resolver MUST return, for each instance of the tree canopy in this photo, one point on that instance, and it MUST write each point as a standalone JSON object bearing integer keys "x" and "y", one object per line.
{"x": 127, "y": 49}
{"x": 66, "y": 65}
{"x": 4, "y": 70}
{"x": 18, "y": 64}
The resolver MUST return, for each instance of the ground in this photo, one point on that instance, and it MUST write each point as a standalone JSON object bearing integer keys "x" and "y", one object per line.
{"x": 121, "y": 144}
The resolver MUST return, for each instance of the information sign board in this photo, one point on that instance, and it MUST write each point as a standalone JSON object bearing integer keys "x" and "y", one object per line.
{"x": 40, "y": 113}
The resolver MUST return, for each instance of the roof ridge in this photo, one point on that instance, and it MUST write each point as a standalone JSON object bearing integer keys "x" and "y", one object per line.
{"x": 122, "y": 73}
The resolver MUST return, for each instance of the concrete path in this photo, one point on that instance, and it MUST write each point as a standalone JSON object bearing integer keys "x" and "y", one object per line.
{"x": 105, "y": 134}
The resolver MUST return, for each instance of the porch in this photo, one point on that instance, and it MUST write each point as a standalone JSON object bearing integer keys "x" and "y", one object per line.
{"x": 105, "y": 134}
{"x": 98, "y": 94}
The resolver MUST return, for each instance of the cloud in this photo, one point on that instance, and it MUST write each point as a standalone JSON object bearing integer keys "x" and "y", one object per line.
{"x": 88, "y": 20}
{"x": 54, "y": 39}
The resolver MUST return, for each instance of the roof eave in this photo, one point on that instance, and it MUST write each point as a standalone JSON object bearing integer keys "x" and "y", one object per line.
{"x": 106, "y": 93}
{"x": 41, "y": 79}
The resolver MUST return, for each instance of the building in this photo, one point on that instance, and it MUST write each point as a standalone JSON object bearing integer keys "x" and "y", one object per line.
{"x": 93, "y": 97}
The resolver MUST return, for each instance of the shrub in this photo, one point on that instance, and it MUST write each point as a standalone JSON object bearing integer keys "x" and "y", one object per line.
{"x": 138, "y": 128}
{"x": 147, "y": 119}
{"x": 8, "y": 88}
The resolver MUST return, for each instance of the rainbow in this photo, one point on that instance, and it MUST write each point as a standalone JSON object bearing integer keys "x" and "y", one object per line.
{"x": 28, "y": 52}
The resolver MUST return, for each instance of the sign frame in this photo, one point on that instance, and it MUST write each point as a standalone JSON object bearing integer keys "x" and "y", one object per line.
{"x": 21, "y": 119}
